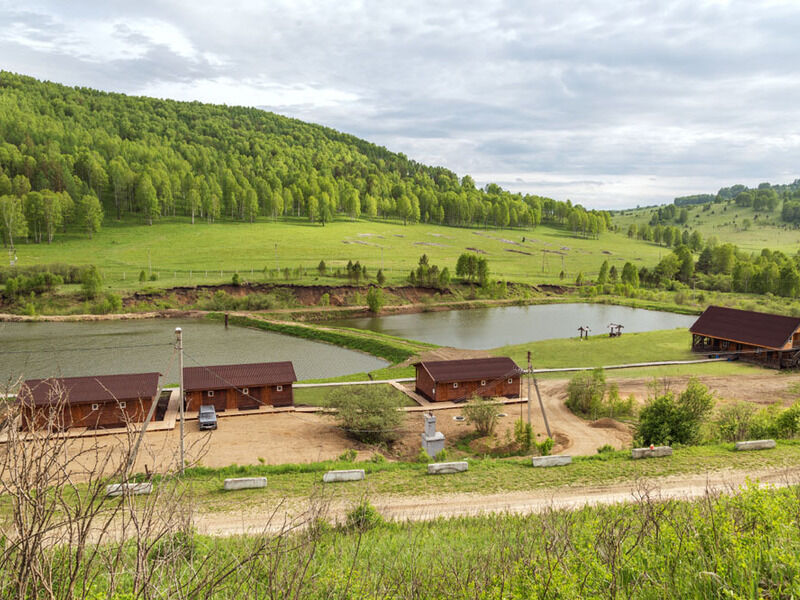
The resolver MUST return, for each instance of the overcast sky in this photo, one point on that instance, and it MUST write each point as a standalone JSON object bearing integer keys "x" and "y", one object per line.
{"x": 611, "y": 104}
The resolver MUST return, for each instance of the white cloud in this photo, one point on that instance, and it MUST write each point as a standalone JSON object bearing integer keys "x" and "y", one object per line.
{"x": 654, "y": 96}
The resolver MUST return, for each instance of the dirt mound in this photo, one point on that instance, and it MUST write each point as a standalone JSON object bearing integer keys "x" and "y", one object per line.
{"x": 607, "y": 423}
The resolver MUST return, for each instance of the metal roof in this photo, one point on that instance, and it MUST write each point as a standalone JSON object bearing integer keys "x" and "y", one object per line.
{"x": 471, "y": 369}
{"x": 94, "y": 389}
{"x": 745, "y": 326}
{"x": 221, "y": 377}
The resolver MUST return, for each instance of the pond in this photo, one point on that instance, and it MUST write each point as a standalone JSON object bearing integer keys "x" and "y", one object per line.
{"x": 485, "y": 328}
{"x": 72, "y": 349}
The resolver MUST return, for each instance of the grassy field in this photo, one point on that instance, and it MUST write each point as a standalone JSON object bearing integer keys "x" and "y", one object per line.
{"x": 601, "y": 350}
{"x": 485, "y": 476}
{"x": 726, "y": 221}
{"x": 181, "y": 253}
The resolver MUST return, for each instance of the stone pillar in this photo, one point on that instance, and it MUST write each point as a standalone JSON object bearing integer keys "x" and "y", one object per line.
{"x": 432, "y": 440}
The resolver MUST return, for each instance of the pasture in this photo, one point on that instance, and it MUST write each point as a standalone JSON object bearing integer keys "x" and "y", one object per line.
{"x": 179, "y": 253}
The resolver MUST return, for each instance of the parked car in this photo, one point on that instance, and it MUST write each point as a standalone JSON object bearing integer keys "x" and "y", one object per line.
{"x": 207, "y": 417}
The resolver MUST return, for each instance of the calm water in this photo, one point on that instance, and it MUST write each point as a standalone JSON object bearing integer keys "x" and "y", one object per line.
{"x": 492, "y": 327}
{"x": 104, "y": 347}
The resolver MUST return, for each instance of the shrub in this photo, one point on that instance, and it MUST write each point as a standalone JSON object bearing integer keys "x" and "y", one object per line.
{"x": 605, "y": 449}
{"x": 668, "y": 420}
{"x": 369, "y": 414}
{"x": 585, "y": 392}
{"x": 523, "y": 435}
{"x": 325, "y": 299}
{"x": 348, "y": 455}
{"x": 377, "y": 458}
{"x": 142, "y": 276}
{"x": 482, "y": 413}
{"x": 734, "y": 422}
{"x": 235, "y": 281}
{"x": 363, "y": 517}
{"x": 91, "y": 282}
{"x": 423, "y": 457}
{"x": 545, "y": 447}
{"x": 375, "y": 299}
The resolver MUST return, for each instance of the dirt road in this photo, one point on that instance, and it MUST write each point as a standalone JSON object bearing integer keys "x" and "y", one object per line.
{"x": 421, "y": 508}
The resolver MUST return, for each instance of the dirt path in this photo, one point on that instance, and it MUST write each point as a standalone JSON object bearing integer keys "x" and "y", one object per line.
{"x": 422, "y": 508}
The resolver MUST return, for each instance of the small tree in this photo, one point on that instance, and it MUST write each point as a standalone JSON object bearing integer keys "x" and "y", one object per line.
{"x": 482, "y": 413}
{"x": 380, "y": 277}
{"x": 585, "y": 392}
{"x": 375, "y": 299}
{"x": 369, "y": 414}
{"x": 322, "y": 268}
{"x": 91, "y": 282}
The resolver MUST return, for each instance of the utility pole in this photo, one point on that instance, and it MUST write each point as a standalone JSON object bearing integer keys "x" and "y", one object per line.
{"x": 541, "y": 404}
{"x": 530, "y": 376}
{"x": 277, "y": 266}
{"x": 179, "y": 348}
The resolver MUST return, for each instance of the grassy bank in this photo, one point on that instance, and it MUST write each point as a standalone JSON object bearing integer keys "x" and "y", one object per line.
{"x": 393, "y": 349}
{"x": 601, "y": 350}
{"x": 317, "y": 396}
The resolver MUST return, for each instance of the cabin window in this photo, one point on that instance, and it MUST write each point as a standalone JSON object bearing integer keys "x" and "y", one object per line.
{"x": 510, "y": 380}
{"x": 245, "y": 391}
{"x": 210, "y": 393}
{"x": 95, "y": 407}
{"x": 483, "y": 382}
{"x": 455, "y": 385}
{"x": 278, "y": 388}
{"x": 123, "y": 404}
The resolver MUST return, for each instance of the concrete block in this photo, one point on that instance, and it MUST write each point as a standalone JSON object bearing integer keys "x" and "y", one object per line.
{"x": 754, "y": 445}
{"x": 447, "y": 468}
{"x": 551, "y": 461}
{"x": 136, "y": 489}
{"x": 245, "y": 483}
{"x": 347, "y": 475}
{"x": 657, "y": 452}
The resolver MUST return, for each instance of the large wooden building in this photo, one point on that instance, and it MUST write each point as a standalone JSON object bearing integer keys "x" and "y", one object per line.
{"x": 763, "y": 338}
{"x": 456, "y": 380}
{"x": 242, "y": 387}
{"x": 96, "y": 402}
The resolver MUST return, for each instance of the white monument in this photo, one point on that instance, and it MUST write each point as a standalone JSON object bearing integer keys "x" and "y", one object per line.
{"x": 432, "y": 440}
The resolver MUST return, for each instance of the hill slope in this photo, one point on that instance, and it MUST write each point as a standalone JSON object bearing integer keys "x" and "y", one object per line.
{"x": 61, "y": 147}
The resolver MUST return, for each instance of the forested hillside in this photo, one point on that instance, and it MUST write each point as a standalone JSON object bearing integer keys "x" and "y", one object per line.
{"x": 72, "y": 157}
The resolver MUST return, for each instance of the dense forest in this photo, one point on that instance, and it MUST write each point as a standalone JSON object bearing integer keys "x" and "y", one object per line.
{"x": 70, "y": 157}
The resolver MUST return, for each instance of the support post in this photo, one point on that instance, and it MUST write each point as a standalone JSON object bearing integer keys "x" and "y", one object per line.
{"x": 179, "y": 348}
{"x": 530, "y": 375}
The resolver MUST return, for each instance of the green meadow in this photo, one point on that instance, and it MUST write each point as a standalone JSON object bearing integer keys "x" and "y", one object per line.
{"x": 727, "y": 222}
{"x": 180, "y": 253}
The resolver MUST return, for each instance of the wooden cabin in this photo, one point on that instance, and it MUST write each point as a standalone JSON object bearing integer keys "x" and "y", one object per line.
{"x": 242, "y": 387}
{"x": 99, "y": 401}
{"x": 457, "y": 380}
{"x": 762, "y": 338}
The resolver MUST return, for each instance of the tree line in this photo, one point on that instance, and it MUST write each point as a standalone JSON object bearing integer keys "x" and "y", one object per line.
{"x": 70, "y": 155}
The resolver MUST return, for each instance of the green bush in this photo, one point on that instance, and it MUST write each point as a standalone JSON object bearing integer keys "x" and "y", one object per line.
{"x": 91, "y": 282}
{"x": 370, "y": 414}
{"x": 482, "y": 413}
{"x": 589, "y": 396}
{"x": 363, "y": 517}
{"x": 670, "y": 420}
{"x": 545, "y": 447}
{"x": 523, "y": 435}
{"x": 375, "y": 299}
{"x": 348, "y": 455}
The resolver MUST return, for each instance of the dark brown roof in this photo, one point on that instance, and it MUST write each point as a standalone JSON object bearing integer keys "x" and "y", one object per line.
{"x": 95, "y": 389}
{"x": 745, "y": 326}
{"x": 471, "y": 369}
{"x": 237, "y": 376}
